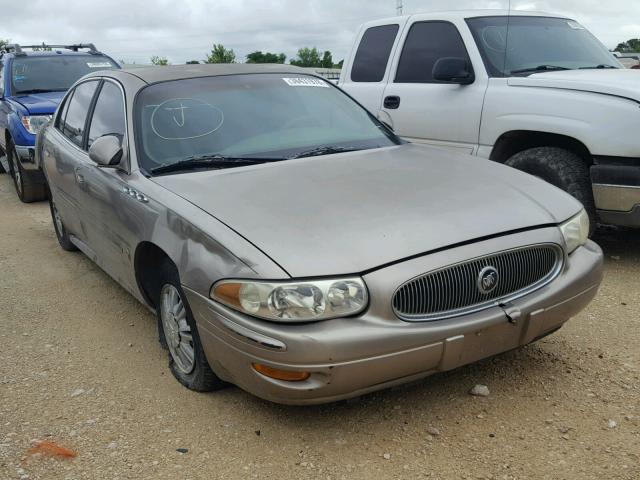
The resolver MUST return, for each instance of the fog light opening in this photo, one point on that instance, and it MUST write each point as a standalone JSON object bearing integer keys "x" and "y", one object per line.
{"x": 286, "y": 375}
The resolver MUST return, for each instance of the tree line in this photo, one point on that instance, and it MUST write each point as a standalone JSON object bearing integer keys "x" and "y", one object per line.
{"x": 307, "y": 57}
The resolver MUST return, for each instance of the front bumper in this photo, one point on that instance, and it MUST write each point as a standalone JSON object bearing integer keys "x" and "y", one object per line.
{"x": 352, "y": 356}
{"x": 616, "y": 191}
{"x": 26, "y": 157}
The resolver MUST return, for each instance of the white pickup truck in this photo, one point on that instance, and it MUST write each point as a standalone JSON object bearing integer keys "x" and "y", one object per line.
{"x": 535, "y": 91}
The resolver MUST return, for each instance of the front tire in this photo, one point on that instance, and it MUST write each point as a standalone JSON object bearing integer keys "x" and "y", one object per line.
{"x": 561, "y": 168}
{"x": 27, "y": 187}
{"x": 179, "y": 333}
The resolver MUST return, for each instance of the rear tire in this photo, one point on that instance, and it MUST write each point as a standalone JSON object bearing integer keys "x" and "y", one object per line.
{"x": 179, "y": 333}
{"x": 561, "y": 168}
{"x": 27, "y": 187}
{"x": 61, "y": 232}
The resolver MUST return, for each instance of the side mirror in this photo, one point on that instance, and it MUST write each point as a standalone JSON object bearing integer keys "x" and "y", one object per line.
{"x": 106, "y": 151}
{"x": 453, "y": 70}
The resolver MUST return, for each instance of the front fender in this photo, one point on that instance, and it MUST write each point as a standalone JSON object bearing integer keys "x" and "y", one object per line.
{"x": 605, "y": 124}
{"x": 19, "y": 135}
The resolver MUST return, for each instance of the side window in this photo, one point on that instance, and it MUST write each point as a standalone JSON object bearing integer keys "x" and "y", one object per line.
{"x": 425, "y": 44}
{"x": 373, "y": 53}
{"x": 63, "y": 111}
{"x": 75, "y": 119}
{"x": 108, "y": 114}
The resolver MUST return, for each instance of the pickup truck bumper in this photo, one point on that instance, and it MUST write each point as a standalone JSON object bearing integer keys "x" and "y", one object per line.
{"x": 26, "y": 157}
{"x": 616, "y": 191}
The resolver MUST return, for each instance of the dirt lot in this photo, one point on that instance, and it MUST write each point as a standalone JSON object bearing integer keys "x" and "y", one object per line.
{"x": 80, "y": 366}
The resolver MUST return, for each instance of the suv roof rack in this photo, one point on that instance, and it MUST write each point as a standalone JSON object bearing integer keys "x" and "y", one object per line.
{"x": 17, "y": 48}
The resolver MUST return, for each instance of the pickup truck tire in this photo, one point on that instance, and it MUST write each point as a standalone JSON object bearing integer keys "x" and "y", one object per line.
{"x": 61, "y": 232}
{"x": 29, "y": 190}
{"x": 561, "y": 168}
{"x": 178, "y": 332}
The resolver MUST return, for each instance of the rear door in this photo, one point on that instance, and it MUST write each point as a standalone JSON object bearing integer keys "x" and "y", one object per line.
{"x": 64, "y": 157}
{"x": 423, "y": 109}
{"x": 367, "y": 72}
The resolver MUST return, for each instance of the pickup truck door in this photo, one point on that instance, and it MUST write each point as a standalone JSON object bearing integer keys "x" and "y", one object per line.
{"x": 422, "y": 109}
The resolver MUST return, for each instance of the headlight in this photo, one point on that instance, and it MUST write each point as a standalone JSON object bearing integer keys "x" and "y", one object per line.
{"x": 295, "y": 301}
{"x": 33, "y": 123}
{"x": 575, "y": 231}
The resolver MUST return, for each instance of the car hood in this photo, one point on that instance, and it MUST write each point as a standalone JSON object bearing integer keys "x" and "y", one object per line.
{"x": 40, "y": 103}
{"x": 352, "y": 212}
{"x": 619, "y": 82}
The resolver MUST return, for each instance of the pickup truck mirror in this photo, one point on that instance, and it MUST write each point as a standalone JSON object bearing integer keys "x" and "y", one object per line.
{"x": 106, "y": 151}
{"x": 453, "y": 70}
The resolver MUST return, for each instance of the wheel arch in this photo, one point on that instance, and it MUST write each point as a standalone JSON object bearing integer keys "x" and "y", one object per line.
{"x": 148, "y": 261}
{"x": 515, "y": 141}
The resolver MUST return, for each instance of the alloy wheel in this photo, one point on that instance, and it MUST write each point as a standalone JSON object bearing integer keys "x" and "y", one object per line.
{"x": 176, "y": 329}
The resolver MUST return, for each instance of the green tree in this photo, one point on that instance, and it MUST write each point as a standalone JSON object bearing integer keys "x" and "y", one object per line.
{"x": 307, "y": 57}
{"x": 220, "y": 54}
{"x": 3, "y": 43}
{"x": 339, "y": 64}
{"x": 632, "y": 45}
{"x": 193, "y": 62}
{"x": 266, "y": 57}
{"x": 327, "y": 60}
{"x": 155, "y": 60}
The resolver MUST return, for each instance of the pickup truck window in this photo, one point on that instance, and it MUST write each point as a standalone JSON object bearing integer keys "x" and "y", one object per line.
{"x": 75, "y": 119}
{"x": 373, "y": 53}
{"x": 426, "y": 43}
{"x": 536, "y": 44}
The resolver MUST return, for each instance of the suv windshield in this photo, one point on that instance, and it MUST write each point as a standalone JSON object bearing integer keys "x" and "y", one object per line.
{"x": 536, "y": 44}
{"x": 238, "y": 120}
{"x": 50, "y": 73}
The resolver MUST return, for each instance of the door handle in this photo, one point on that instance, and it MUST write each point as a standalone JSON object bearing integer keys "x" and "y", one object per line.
{"x": 391, "y": 102}
{"x": 79, "y": 177}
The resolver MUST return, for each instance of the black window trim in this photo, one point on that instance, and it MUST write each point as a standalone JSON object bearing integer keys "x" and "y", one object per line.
{"x": 68, "y": 98}
{"x": 464, "y": 45}
{"x": 390, "y": 58}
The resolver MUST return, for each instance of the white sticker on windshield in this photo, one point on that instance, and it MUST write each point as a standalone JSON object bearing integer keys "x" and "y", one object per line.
{"x": 305, "y": 82}
{"x": 99, "y": 64}
{"x": 575, "y": 25}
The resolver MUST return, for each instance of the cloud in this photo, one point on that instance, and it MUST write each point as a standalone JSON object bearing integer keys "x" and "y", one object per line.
{"x": 135, "y": 30}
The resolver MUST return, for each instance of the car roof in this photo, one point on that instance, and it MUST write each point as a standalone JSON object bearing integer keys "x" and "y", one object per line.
{"x": 51, "y": 53}
{"x": 154, "y": 74}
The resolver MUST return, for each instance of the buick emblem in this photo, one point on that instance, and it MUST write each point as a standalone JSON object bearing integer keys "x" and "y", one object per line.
{"x": 488, "y": 279}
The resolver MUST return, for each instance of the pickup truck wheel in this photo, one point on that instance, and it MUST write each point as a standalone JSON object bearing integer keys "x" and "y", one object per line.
{"x": 561, "y": 168}
{"x": 178, "y": 330}
{"x": 28, "y": 188}
{"x": 58, "y": 226}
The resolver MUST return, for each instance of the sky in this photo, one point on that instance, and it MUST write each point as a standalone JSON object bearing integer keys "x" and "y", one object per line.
{"x": 181, "y": 30}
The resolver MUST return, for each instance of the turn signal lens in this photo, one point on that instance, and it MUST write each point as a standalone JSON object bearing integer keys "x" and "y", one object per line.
{"x": 286, "y": 375}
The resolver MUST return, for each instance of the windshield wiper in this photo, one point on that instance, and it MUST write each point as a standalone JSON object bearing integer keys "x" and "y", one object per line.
{"x": 602, "y": 65}
{"x": 540, "y": 68}
{"x": 210, "y": 162}
{"x": 39, "y": 90}
{"x": 329, "y": 149}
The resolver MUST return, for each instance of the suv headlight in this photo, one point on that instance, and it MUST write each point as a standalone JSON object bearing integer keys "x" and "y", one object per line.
{"x": 575, "y": 231}
{"x": 293, "y": 301}
{"x": 33, "y": 123}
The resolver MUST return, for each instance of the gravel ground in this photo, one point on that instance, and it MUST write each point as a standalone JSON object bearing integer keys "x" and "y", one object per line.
{"x": 81, "y": 367}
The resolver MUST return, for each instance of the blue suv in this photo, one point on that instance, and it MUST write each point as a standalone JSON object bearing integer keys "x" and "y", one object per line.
{"x": 32, "y": 84}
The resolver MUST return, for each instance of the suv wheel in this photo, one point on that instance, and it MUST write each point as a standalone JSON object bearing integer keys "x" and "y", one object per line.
{"x": 561, "y": 168}
{"x": 28, "y": 188}
{"x": 178, "y": 332}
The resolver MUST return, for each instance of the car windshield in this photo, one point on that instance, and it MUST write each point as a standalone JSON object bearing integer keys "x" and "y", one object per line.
{"x": 53, "y": 73}
{"x": 202, "y": 122}
{"x": 536, "y": 44}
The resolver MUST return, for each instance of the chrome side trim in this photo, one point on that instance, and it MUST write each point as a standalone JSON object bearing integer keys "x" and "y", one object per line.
{"x": 621, "y": 198}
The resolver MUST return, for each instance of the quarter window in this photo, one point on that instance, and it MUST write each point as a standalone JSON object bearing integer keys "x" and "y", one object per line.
{"x": 73, "y": 123}
{"x": 426, "y": 43}
{"x": 372, "y": 56}
{"x": 108, "y": 114}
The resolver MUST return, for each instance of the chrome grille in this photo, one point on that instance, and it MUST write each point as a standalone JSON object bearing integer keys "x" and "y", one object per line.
{"x": 454, "y": 290}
